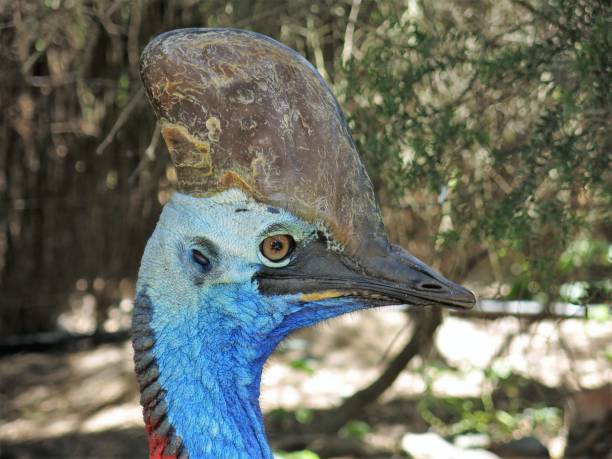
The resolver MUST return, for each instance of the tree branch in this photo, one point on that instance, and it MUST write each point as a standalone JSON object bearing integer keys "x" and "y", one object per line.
{"x": 121, "y": 120}
{"x": 347, "y": 49}
{"x": 424, "y": 330}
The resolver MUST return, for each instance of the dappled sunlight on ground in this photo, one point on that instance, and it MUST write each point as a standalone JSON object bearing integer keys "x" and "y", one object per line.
{"x": 571, "y": 353}
{"x": 47, "y": 396}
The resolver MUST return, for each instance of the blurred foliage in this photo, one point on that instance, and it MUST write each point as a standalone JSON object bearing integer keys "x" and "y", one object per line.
{"x": 301, "y": 414}
{"x": 484, "y": 127}
{"x": 303, "y": 364}
{"x": 517, "y": 407}
{"x": 490, "y": 121}
{"x": 355, "y": 429}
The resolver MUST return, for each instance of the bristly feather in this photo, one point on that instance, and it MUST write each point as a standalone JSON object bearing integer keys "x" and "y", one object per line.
{"x": 201, "y": 339}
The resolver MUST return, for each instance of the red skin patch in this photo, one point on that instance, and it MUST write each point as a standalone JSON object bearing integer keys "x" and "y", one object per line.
{"x": 157, "y": 444}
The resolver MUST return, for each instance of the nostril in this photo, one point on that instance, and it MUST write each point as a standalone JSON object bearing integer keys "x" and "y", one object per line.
{"x": 431, "y": 286}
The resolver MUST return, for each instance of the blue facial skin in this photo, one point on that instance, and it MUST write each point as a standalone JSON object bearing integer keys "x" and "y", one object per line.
{"x": 213, "y": 330}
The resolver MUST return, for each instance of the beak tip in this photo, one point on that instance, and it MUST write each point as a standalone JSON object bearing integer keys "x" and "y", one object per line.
{"x": 465, "y": 297}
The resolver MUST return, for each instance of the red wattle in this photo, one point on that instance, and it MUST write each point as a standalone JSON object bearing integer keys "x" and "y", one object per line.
{"x": 157, "y": 443}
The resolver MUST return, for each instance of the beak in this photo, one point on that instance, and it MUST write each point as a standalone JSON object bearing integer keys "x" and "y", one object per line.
{"x": 378, "y": 274}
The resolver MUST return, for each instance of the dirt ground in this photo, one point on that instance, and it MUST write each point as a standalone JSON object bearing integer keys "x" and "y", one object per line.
{"x": 85, "y": 403}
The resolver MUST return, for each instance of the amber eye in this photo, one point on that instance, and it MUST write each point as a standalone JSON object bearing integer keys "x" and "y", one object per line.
{"x": 277, "y": 248}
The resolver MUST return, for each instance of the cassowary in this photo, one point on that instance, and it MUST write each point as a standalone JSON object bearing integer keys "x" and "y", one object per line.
{"x": 274, "y": 227}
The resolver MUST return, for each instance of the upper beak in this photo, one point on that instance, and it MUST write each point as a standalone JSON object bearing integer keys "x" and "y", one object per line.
{"x": 380, "y": 273}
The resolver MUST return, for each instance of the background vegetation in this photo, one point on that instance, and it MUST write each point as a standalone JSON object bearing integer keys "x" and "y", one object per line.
{"x": 484, "y": 127}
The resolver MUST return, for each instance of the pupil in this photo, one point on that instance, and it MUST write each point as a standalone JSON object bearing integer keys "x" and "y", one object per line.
{"x": 277, "y": 245}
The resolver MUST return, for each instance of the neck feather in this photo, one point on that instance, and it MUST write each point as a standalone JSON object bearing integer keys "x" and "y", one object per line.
{"x": 200, "y": 373}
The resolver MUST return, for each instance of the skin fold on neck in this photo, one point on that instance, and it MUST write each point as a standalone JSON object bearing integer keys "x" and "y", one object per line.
{"x": 201, "y": 338}
{"x": 210, "y": 363}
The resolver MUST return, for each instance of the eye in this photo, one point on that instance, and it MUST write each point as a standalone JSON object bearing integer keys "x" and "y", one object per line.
{"x": 277, "y": 248}
{"x": 200, "y": 259}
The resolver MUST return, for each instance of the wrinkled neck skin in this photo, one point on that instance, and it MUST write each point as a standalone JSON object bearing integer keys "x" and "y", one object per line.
{"x": 210, "y": 368}
{"x": 210, "y": 365}
{"x": 199, "y": 357}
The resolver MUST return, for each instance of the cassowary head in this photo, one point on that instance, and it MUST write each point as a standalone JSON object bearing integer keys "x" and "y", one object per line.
{"x": 275, "y": 227}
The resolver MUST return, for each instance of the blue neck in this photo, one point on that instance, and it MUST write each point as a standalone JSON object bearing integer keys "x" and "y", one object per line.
{"x": 210, "y": 357}
{"x": 210, "y": 360}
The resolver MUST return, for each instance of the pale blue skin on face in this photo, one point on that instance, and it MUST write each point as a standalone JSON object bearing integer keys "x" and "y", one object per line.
{"x": 213, "y": 329}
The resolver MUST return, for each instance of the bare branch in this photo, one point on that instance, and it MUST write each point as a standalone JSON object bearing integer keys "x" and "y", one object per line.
{"x": 149, "y": 154}
{"x": 121, "y": 120}
{"x": 347, "y": 50}
{"x": 424, "y": 331}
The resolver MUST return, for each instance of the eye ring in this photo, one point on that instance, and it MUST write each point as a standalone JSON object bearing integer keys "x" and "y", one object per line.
{"x": 276, "y": 249}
